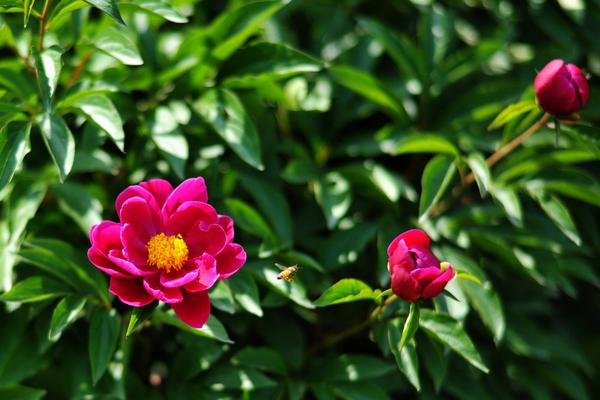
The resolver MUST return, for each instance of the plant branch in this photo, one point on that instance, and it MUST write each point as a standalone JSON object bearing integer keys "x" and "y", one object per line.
{"x": 43, "y": 24}
{"x": 492, "y": 160}
{"x": 338, "y": 337}
{"x": 79, "y": 69}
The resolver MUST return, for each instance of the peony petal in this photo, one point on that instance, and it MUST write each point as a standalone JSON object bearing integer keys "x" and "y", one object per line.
{"x": 193, "y": 189}
{"x": 226, "y": 223}
{"x": 401, "y": 258}
{"x": 543, "y": 80}
{"x": 116, "y": 256}
{"x": 207, "y": 273}
{"x": 134, "y": 249}
{"x": 205, "y": 239}
{"x": 194, "y": 310}
{"x": 189, "y": 214}
{"x": 423, "y": 258}
{"x": 135, "y": 191}
{"x": 160, "y": 190}
{"x": 438, "y": 284}
{"x": 101, "y": 262}
{"x": 404, "y": 285}
{"x": 164, "y": 294}
{"x": 140, "y": 216}
{"x": 580, "y": 82}
{"x": 106, "y": 236}
{"x": 130, "y": 291}
{"x": 230, "y": 260}
{"x": 178, "y": 278}
{"x": 425, "y": 275}
{"x": 411, "y": 238}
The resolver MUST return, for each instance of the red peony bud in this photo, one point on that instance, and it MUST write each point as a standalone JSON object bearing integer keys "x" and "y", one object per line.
{"x": 416, "y": 273}
{"x": 561, "y": 89}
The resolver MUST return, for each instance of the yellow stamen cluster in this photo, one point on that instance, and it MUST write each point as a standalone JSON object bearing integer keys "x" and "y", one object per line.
{"x": 168, "y": 253}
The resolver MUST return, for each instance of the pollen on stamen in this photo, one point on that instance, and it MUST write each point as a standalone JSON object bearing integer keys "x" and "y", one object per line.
{"x": 168, "y": 253}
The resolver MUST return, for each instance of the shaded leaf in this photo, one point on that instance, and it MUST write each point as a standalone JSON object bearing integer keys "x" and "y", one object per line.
{"x": 35, "y": 288}
{"x": 139, "y": 315}
{"x": 109, "y": 7}
{"x": 14, "y": 150}
{"x": 213, "y": 329}
{"x": 333, "y": 194}
{"x": 435, "y": 180}
{"x": 105, "y": 328}
{"x": 59, "y": 141}
{"x": 169, "y": 139}
{"x": 77, "y": 202}
{"x": 65, "y": 314}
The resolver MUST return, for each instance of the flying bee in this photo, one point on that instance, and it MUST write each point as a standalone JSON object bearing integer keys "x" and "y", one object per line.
{"x": 287, "y": 272}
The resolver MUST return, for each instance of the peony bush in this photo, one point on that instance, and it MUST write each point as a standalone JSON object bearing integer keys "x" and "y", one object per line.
{"x": 413, "y": 188}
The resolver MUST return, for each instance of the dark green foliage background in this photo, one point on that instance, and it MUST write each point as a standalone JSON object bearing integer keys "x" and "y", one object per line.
{"x": 325, "y": 128}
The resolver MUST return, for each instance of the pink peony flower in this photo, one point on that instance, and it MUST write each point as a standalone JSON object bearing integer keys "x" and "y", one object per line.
{"x": 561, "y": 89}
{"x": 416, "y": 272}
{"x": 169, "y": 245}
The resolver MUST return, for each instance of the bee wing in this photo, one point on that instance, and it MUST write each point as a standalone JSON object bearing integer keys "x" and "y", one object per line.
{"x": 281, "y": 267}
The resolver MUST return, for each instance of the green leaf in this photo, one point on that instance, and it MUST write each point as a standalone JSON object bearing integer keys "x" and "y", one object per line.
{"x": 267, "y": 273}
{"x": 213, "y": 329}
{"x": 467, "y": 276}
{"x": 231, "y": 29}
{"x": 109, "y": 7}
{"x": 509, "y": 200}
{"x": 161, "y": 8}
{"x": 271, "y": 61}
{"x": 9, "y": 113}
{"x": 18, "y": 392}
{"x": 334, "y": 196}
{"x": 263, "y": 358}
{"x": 105, "y": 329}
{"x": 59, "y": 141}
{"x": 77, "y": 202}
{"x": 450, "y": 332}
{"x": 345, "y": 291}
{"x": 424, "y": 143}
{"x": 410, "y": 325}
{"x": 558, "y": 213}
{"x": 225, "y": 113}
{"x": 356, "y": 391}
{"x": 272, "y": 203}
{"x": 234, "y": 378}
{"x": 35, "y": 288}
{"x": 355, "y": 368}
{"x": 511, "y": 112}
{"x": 481, "y": 172}
{"x": 169, "y": 139}
{"x": 405, "y": 355}
{"x": 571, "y": 182}
{"x": 99, "y": 109}
{"x": 65, "y": 314}
{"x": 245, "y": 292}
{"x": 249, "y": 219}
{"x": 48, "y": 66}
{"x": 401, "y": 49}
{"x": 14, "y": 150}
{"x": 62, "y": 261}
{"x": 344, "y": 246}
{"x": 117, "y": 42}
{"x": 139, "y": 315}
{"x": 372, "y": 89}
{"x": 436, "y": 178}
{"x": 27, "y": 7}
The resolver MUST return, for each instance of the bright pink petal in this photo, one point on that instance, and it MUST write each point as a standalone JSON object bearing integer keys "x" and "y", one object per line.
{"x": 135, "y": 191}
{"x": 543, "y": 80}
{"x": 404, "y": 285}
{"x": 178, "y": 278}
{"x": 101, "y": 262}
{"x": 134, "y": 248}
{"x": 193, "y": 189}
{"x": 205, "y": 239}
{"x": 411, "y": 238}
{"x": 137, "y": 213}
{"x": 164, "y": 294}
{"x": 194, "y": 310}
{"x": 423, "y": 258}
{"x": 437, "y": 286}
{"x": 230, "y": 260}
{"x": 400, "y": 258}
{"x": 106, "y": 236}
{"x": 189, "y": 214}
{"x": 206, "y": 266}
{"x": 116, "y": 256}
{"x": 227, "y": 224}
{"x": 130, "y": 291}
{"x": 580, "y": 82}
{"x": 159, "y": 188}
{"x": 425, "y": 275}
